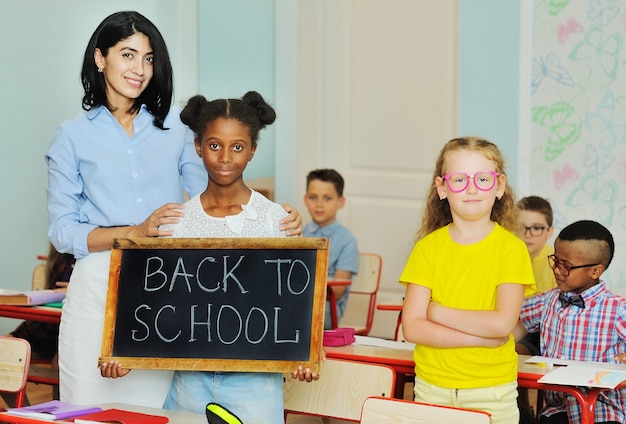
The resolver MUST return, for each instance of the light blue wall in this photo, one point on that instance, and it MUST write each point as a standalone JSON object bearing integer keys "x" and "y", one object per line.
{"x": 236, "y": 55}
{"x": 42, "y": 45}
{"x": 236, "y": 45}
{"x": 489, "y": 73}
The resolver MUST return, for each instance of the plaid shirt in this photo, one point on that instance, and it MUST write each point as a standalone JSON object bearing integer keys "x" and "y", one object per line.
{"x": 594, "y": 333}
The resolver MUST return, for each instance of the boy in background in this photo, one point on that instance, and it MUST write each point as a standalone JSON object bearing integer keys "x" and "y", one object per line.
{"x": 534, "y": 215}
{"x": 580, "y": 319}
{"x": 323, "y": 198}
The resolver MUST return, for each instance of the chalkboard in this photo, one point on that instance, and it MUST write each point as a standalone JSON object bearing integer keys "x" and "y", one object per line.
{"x": 242, "y": 304}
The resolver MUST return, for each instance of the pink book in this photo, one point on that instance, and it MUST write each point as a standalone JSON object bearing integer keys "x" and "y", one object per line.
{"x": 53, "y": 410}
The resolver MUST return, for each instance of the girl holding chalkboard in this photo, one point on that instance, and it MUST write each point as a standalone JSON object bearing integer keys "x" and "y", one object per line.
{"x": 226, "y": 134}
{"x": 111, "y": 173}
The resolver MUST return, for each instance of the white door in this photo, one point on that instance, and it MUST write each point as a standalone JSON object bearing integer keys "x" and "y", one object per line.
{"x": 374, "y": 96}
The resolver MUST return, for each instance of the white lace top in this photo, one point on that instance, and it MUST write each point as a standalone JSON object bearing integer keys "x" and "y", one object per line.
{"x": 259, "y": 218}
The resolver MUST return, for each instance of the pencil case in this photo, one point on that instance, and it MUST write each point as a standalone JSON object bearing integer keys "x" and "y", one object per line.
{"x": 339, "y": 336}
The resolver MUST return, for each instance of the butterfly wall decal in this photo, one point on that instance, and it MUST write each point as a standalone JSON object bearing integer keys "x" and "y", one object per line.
{"x": 550, "y": 67}
{"x": 602, "y": 11}
{"x": 597, "y": 162}
{"x": 601, "y": 123}
{"x": 601, "y": 198}
{"x": 561, "y": 176}
{"x": 556, "y": 6}
{"x": 565, "y": 30}
{"x": 595, "y": 48}
{"x": 562, "y": 132}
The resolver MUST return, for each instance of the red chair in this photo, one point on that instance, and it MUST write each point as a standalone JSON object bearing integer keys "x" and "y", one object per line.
{"x": 14, "y": 364}
{"x": 361, "y": 305}
{"x": 43, "y": 371}
{"x": 380, "y": 410}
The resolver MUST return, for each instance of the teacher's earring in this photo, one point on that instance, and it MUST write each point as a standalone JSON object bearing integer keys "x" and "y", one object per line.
{"x": 100, "y": 70}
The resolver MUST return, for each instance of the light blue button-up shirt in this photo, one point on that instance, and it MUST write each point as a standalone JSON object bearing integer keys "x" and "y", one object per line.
{"x": 99, "y": 177}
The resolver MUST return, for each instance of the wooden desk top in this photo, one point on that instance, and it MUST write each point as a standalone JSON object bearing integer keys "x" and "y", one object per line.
{"x": 402, "y": 359}
{"x": 530, "y": 371}
{"x": 399, "y": 359}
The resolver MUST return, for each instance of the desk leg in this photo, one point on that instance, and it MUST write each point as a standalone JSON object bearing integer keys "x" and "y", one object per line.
{"x": 330, "y": 294}
{"x": 589, "y": 407}
{"x": 587, "y": 403}
{"x": 398, "y": 325}
{"x": 401, "y": 379}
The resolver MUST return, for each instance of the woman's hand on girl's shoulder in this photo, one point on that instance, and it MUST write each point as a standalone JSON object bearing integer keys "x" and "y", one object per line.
{"x": 170, "y": 213}
{"x": 292, "y": 223}
{"x": 621, "y": 357}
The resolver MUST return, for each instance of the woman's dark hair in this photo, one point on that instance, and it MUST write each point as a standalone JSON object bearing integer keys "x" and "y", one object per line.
{"x": 251, "y": 111}
{"x": 117, "y": 27}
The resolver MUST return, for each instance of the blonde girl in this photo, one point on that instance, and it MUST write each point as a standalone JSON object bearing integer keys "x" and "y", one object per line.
{"x": 465, "y": 281}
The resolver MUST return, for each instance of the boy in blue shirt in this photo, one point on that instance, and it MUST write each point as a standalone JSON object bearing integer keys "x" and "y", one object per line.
{"x": 323, "y": 198}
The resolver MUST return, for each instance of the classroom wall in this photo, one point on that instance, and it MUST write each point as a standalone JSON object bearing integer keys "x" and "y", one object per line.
{"x": 42, "y": 44}
{"x": 576, "y": 120}
{"x": 236, "y": 55}
{"x": 489, "y": 75}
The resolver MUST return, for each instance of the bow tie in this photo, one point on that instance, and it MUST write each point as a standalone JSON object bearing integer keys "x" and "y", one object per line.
{"x": 574, "y": 300}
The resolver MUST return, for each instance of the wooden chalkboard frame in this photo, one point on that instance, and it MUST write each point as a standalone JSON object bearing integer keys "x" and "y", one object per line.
{"x": 121, "y": 246}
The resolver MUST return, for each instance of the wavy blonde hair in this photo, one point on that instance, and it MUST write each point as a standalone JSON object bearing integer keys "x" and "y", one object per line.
{"x": 437, "y": 212}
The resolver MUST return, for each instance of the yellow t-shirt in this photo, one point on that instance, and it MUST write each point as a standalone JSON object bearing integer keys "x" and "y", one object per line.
{"x": 466, "y": 277}
{"x": 544, "y": 277}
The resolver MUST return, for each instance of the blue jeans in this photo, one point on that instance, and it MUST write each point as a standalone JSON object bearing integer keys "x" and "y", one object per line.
{"x": 254, "y": 397}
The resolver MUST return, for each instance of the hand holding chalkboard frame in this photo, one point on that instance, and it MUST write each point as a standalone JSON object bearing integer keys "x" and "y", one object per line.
{"x": 223, "y": 304}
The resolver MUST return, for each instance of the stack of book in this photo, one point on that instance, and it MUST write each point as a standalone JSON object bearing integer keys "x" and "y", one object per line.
{"x": 57, "y": 410}
{"x": 30, "y": 297}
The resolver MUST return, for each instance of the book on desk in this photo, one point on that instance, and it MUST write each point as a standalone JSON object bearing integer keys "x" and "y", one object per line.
{"x": 30, "y": 297}
{"x": 121, "y": 416}
{"x": 53, "y": 410}
{"x": 581, "y": 373}
{"x": 56, "y": 410}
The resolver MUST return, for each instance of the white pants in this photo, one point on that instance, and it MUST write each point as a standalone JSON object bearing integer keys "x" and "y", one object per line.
{"x": 80, "y": 339}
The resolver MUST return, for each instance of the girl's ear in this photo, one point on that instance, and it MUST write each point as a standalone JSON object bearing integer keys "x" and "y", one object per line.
{"x": 198, "y": 145}
{"x": 501, "y": 186}
{"x": 441, "y": 189}
{"x": 252, "y": 152}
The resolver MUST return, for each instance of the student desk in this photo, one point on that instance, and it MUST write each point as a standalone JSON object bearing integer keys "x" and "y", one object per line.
{"x": 528, "y": 374}
{"x": 34, "y": 313}
{"x": 175, "y": 417}
{"x": 330, "y": 294}
{"x": 401, "y": 360}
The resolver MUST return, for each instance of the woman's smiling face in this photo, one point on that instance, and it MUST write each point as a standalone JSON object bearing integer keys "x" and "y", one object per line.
{"x": 127, "y": 68}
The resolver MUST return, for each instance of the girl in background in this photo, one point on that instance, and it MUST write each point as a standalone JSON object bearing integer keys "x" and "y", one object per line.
{"x": 466, "y": 278}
